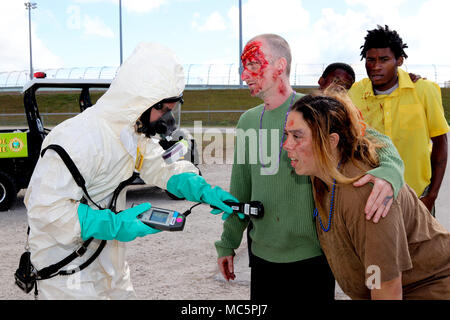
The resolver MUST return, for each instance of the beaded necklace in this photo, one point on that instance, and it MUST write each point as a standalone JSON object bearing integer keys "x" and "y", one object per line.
{"x": 316, "y": 212}
{"x": 282, "y": 137}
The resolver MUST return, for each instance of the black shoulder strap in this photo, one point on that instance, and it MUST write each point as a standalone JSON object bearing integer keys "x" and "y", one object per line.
{"x": 53, "y": 269}
{"x": 72, "y": 168}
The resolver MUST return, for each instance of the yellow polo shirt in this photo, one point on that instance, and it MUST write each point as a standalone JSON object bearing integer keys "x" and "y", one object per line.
{"x": 410, "y": 116}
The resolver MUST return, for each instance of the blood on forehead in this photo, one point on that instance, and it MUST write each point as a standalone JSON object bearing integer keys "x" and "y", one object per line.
{"x": 253, "y": 53}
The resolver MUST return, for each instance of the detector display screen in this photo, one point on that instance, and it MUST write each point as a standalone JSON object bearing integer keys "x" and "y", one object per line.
{"x": 159, "y": 216}
{"x": 163, "y": 219}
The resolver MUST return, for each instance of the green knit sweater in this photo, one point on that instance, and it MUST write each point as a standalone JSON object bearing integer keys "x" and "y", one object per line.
{"x": 287, "y": 231}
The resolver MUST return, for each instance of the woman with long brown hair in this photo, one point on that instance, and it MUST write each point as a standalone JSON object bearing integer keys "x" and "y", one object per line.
{"x": 406, "y": 255}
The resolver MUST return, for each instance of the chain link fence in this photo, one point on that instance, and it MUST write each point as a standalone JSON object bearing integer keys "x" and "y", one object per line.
{"x": 219, "y": 74}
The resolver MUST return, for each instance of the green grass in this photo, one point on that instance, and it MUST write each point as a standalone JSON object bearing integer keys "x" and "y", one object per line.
{"x": 446, "y": 102}
{"x": 67, "y": 102}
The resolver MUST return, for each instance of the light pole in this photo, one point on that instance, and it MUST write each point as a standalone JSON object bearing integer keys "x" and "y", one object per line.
{"x": 29, "y": 6}
{"x": 120, "y": 30}
{"x": 240, "y": 42}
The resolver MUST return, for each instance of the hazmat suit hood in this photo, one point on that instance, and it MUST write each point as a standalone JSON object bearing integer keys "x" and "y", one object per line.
{"x": 152, "y": 73}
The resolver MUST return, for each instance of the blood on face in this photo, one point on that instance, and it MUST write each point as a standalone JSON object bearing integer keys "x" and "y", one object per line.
{"x": 253, "y": 58}
{"x": 255, "y": 63}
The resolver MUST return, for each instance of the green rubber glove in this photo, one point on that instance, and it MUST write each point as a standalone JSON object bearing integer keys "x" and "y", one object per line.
{"x": 106, "y": 225}
{"x": 194, "y": 188}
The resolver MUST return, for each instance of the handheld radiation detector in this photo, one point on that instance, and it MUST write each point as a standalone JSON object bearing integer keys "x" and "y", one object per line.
{"x": 253, "y": 209}
{"x": 163, "y": 219}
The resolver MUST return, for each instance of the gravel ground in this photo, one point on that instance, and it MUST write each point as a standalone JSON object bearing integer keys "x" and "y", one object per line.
{"x": 167, "y": 265}
{"x": 178, "y": 265}
{"x": 164, "y": 266}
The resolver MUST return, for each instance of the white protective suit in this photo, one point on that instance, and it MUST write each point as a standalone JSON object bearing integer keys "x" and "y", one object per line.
{"x": 103, "y": 144}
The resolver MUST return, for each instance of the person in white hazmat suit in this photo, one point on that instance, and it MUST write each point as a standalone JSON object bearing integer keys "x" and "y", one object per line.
{"x": 104, "y": 144}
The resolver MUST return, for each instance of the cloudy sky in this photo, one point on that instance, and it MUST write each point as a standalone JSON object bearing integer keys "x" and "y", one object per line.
{"x": 82, "y": 33}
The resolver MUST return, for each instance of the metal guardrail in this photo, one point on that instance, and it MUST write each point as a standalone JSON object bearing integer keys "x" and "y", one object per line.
{"x": 218, "y": 76}
{"x": 75, "y": 113}
{"x": 15, "y": 120}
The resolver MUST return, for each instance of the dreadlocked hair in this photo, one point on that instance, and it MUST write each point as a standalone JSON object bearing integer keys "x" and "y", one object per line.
{"x": 384, "y": 38}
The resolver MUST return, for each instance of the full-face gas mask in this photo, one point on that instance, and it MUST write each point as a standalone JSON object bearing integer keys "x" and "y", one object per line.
{"x": 166, "y": 124}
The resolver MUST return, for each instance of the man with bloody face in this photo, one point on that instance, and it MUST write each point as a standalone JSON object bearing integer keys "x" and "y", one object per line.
{"x": 410, "y": 113}
{"x": 266, "y": 71}
{"x": 285, "y": 256}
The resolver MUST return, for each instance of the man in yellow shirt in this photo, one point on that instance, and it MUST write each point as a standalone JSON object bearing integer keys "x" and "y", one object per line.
{"x": 409, "y": 113}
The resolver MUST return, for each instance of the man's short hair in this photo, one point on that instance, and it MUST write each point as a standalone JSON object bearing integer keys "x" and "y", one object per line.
{"x": 384, "y": 38}
{"x": 280, "y": 48}
{"x": 339, "y": 65}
